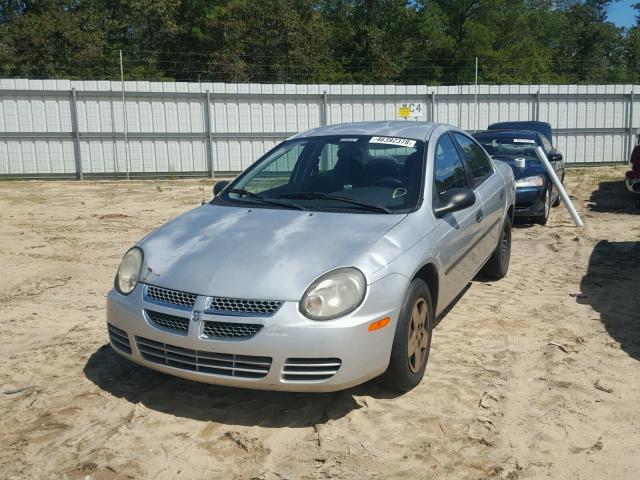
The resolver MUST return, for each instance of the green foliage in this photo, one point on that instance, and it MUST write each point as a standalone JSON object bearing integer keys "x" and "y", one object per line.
{"x": 310, "y": 41}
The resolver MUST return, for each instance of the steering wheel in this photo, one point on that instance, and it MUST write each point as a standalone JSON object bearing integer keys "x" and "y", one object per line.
{"x": 388, "y": 182}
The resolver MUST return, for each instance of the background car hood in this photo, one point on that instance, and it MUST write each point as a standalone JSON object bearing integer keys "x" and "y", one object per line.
{"x": 533, "y": 166}
{"x": 256, "y": 253}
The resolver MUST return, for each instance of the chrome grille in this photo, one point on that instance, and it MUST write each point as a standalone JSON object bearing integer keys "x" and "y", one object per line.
{"x": 228, "y": 365}
{"x": 310, "y": 369}
{"x": 243, "y": 306}
{"x": 119, "y": 339}
{"x": 168, "y": 322}
{"x": 230, "y": 331}
{"x": 172, "y": 297}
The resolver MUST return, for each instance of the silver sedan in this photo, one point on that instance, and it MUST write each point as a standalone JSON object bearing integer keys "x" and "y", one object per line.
{"x": 323, "y": 265}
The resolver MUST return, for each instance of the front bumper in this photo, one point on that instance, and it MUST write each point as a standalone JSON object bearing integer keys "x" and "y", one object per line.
{"x": 530, "y": 201}
{"x": 286, "y": 354}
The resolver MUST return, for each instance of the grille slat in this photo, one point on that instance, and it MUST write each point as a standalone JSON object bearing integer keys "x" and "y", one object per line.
{"x": 171, "y": 297}
{"x": 310, "y": 369}
{"x": 165, "y": 321}
{"x": 119, "y": 338}
{"x": 230, "y": 331}
{"x": 229, "y": 365}
{"x": 242, "y": 306}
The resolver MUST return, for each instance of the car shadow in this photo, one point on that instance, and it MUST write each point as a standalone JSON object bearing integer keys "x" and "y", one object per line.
{"x": 611, "y": 286}
{"x": 613, "y": 196}
{"x": 232, "y": 406}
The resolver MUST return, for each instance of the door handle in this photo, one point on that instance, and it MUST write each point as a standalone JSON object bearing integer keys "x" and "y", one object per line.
{"x": 479, "y": 216}
{"x": 501, "y": 194}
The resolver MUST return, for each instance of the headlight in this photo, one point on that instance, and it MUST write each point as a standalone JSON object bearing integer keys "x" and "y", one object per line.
{"x": 129, "y": 271}
{"x": 334, "y": 294}
{"x": 537, "y": 181}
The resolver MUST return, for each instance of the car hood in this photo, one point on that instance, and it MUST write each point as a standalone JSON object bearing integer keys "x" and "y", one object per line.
{"x": 533, "y": 166}
{"x": 259, "y": 253}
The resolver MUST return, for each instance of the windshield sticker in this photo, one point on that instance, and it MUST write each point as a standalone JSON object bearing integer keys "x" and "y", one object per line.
{"x": 399, "y": 192}
{"x": 401, "y": 142}
{"x": 523, "y": 140}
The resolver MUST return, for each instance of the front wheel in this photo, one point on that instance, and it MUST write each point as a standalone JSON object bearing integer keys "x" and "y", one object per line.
{"x": 544, "y": 218}
{"x": 498, "y": 264}
{"x": 412, "y": 340}
{"x": 557, "y": 200}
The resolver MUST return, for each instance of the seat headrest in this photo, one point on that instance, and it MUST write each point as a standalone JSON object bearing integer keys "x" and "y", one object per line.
{"x": 382, "y": 166}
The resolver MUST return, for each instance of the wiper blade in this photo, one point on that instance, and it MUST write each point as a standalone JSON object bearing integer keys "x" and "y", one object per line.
{"x": 328, "y": 196}
{"x": 265, "y": 201}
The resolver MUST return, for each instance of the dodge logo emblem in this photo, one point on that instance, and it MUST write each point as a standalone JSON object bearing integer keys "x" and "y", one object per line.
{"x": 195, "y": 316}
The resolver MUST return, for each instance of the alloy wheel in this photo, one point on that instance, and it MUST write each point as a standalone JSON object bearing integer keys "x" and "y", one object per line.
{"x": 418, "y": 335}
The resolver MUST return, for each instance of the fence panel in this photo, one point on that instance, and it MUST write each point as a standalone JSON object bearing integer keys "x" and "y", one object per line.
{"x": 77, "y": 128}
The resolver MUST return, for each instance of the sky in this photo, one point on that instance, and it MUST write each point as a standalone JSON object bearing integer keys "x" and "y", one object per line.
{"x": 622, "y": 13}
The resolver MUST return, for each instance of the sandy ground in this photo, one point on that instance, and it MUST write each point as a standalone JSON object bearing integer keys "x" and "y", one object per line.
{"x": 535, "y": 376}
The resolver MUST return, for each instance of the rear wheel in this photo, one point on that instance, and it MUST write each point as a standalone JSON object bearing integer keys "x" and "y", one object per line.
{"x": 498, "y": 264}
{"x": 412, "y": 340}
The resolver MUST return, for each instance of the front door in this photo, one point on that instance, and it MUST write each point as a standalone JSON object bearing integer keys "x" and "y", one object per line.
{"x": 458, "y": 230}
{"x": 489, "y": 187}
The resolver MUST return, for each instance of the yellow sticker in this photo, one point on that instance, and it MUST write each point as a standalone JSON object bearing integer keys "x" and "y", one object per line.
{"x": 404, "y": 112}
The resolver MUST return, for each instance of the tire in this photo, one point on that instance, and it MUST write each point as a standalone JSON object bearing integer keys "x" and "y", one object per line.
{"x": 544, "y": 218}
{"x": 557, "y": 200}
{"x": 414, "y": 327}
{"x": 498, "y": 264}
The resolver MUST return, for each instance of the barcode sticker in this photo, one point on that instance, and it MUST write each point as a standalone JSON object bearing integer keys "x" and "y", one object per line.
{"x": 523, "y": 140}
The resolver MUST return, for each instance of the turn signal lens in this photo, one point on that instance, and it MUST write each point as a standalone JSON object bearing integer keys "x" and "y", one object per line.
{"x": 377, "y": 325}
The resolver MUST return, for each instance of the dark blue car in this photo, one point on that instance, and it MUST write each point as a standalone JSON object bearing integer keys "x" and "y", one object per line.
{"x": 514, "y": 143}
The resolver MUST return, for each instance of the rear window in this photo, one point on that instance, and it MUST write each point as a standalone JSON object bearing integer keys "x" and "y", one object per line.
{"x": 508, "y": 146}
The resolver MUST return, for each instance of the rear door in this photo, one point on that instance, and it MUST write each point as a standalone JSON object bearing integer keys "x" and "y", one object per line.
{"x": 458, "y": 230}
{"x": 489, "y": 188}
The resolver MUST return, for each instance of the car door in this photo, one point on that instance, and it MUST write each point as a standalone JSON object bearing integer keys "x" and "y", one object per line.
{"x": 488, "y": 186}
{"x": 458, "y": 230}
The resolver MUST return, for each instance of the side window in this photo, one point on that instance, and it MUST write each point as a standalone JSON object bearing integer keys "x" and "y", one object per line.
{"x": 477, "y": 159}
{"x": 546, "y": 144}
{"x": 448, "y": 170}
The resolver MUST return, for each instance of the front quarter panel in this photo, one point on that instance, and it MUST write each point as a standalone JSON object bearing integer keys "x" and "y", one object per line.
{"x": 509, "y": 181}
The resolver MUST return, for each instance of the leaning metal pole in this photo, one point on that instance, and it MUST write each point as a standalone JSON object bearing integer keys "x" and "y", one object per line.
{"x": 556, "y": 182}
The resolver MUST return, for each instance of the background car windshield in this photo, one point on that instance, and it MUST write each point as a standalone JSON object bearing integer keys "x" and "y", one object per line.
{"x": 373, "y": 170}
{"x": 508, "y": 147}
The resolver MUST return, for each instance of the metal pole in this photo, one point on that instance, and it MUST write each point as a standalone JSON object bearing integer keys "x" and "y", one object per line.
{"x": 475, "y": 97}
{"x": 433, "y": 106}
{"x": 125, "y": 122}
{"x": 538, "y": 106}
{"x": 207, "y": 126}
{"x": 325, "y": 108}
{"x": 76, "y": 135}
{"x": 631, "y": 135}
{"x": 558, "y": 184}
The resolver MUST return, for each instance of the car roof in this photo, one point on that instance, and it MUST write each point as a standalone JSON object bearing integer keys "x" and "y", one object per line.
{"x": 402, "y": 128}
{"x": 508, "y": 134}
{"x": 543, "y": 128}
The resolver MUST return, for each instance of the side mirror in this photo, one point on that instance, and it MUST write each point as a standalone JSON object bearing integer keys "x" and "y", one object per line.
{"x": 453, "y": 200}
{"x": 219, "y": 186}
{"x": 554, "y": 157}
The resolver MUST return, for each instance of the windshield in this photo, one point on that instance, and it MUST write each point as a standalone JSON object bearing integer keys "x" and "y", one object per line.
{"x": 508, "y": 146}
{"x": 357, "y": 173}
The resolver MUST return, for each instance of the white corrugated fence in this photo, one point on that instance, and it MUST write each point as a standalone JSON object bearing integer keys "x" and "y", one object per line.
{"x": 76, "y": 128}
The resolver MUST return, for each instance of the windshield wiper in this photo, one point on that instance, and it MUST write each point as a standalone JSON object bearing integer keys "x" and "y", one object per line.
{"x": 328, "y": 196}
{"x": 262, "y": 200}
